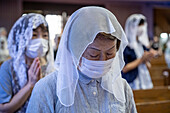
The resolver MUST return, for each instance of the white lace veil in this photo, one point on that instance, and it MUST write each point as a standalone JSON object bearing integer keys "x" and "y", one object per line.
{"x": 80, "y": 30}
{"x": 18, "y": 39}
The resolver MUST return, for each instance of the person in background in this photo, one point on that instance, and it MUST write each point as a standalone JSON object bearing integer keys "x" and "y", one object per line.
{"x": 136, "y": 54}
{"x": 167, "y": 53}
{"x": 56, "y": 42}
{"x": 89, "y": 63}
{"x": 155, "y": 44}
{"x": 31, "y": 58}
{"x": 142, "y": 33}
{"x": 4, "y": 54}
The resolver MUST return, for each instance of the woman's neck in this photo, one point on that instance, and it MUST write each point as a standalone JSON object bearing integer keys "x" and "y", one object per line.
{"x": 29, "y": 60}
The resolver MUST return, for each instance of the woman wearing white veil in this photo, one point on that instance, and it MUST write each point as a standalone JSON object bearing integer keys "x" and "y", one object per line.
{"x": 89, "y": 63}
{"x": 136, "y": 54}
{"x": 31, "y": 57}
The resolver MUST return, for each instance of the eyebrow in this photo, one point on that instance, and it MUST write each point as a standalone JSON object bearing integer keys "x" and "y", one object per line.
{"x": 100, "y": 50}
{"x": 44, "y": 30}
{"x": 112, "y": 47}
{"x": 94, "y": 48}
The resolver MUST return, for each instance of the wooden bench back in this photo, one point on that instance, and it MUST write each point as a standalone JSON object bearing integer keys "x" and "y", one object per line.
{"x": 155, "y": 94}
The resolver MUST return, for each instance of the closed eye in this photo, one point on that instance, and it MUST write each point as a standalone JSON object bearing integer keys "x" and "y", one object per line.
{"x": 109, "y": 53}
{"x": 94, "y": 56}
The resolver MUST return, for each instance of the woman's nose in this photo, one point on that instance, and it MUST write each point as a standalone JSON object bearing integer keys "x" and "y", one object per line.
{"x": 103, "y": 57}
{"x": 40, "y": 36}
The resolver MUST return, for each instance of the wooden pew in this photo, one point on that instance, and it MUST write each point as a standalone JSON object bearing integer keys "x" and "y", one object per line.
{"x": 158, "y": 81}
{"x": 158, "y": 65}
{"x": 156, "y": 71}
{"x": 155, "y": 94}
{"x": 154, "y": 107}
{"x": 158, "y": 61}
{"x": 156, "y": 75}
{"x": 166, "y": 76}
{"x": 156, "y": 100}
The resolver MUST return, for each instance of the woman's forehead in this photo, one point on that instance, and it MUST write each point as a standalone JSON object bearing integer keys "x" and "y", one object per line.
{"x": 41, "y": 27}
{"x": 104, "y": 36}
{"x": 101, "y": 41}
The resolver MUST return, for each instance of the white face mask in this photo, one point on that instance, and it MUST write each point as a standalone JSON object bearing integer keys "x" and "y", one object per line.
{"x": 37, "y": 48}
{"x": 95, "y": 69}
{"x": 140, "y": 30}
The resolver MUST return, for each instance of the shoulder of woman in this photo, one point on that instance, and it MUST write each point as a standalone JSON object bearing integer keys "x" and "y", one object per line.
{"x": 6, "y": 64}
{"x": 5, "y": 69}
{"x": 47, "y": 83}
{"x": 129, "y": 50}
{"x": 127, "y": 89}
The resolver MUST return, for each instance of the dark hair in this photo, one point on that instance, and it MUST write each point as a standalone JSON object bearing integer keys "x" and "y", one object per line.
{"x": 141, "y": 22}
{"x": 44, "y": 28}
{"x": 109, "y": 36}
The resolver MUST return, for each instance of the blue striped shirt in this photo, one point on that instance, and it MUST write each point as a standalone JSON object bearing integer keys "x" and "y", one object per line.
{"x": 90, "y": 97}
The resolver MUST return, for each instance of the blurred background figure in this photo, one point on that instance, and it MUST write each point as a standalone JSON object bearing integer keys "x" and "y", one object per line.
{"x": 136, "y": 54}
{"x": 4, "y": 54}
{"x": 167, "y": 53}
{"x": 56, "y": 44}
{"x": 155, "y": 44}
{"x": 141, "y": 32}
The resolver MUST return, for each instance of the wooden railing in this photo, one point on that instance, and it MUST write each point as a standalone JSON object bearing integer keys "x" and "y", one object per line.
{"x": 156, "y": 100}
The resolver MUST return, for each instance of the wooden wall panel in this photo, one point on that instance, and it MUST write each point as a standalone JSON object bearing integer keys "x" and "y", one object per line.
{"x": 10, "y": 11}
